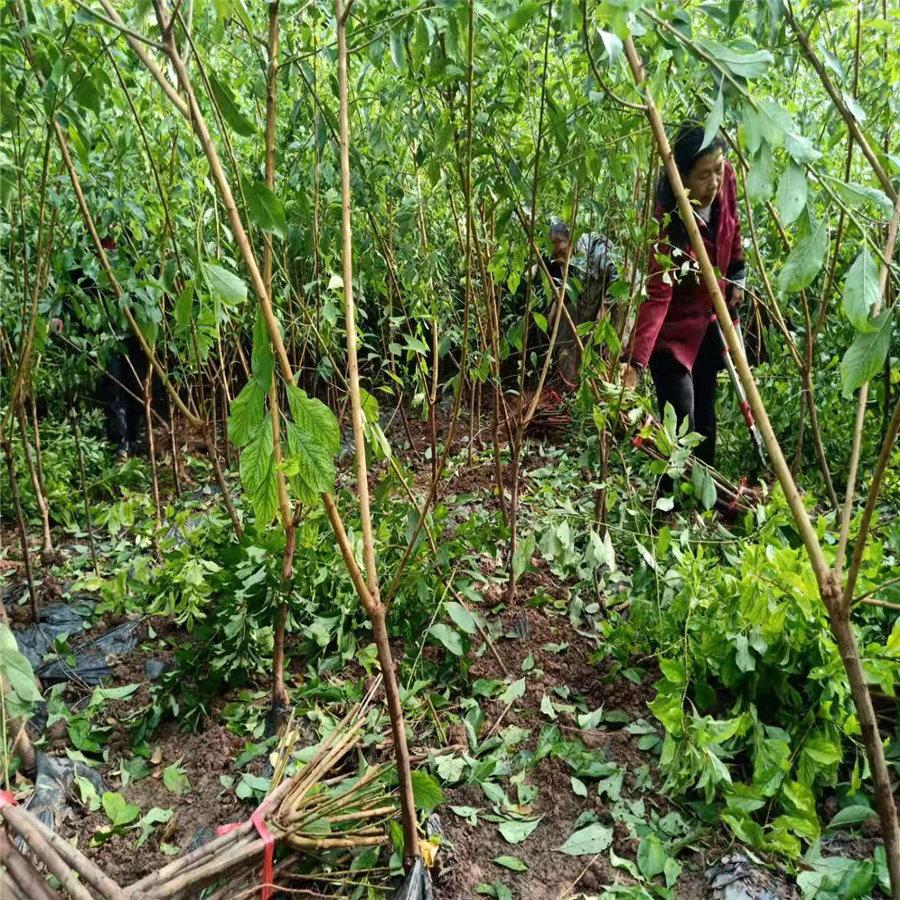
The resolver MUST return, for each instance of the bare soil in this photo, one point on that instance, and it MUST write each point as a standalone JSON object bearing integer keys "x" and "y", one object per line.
{"x": 552, "y": 874}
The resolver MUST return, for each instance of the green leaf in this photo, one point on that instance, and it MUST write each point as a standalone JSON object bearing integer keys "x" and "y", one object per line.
{"x": 579, "y": 787}
{"x": 427, "y": 794}
{"x": 866, "y": 355}
{"x": 621, "y": 862}
{"x": 155, "y": 816}
{"x": 80, "y": 148}
{"x": 861, "y": 291}
{"x": 759, "y": 181}
{"x": 313, "y": 439}
{"x": 651, "y": 858}
{"x": 612, "y": 786}
{"x": 523, "y": 14}
{"x": 822, "y": 750}
{"x": 231, "y": 112}
{"x": 448, "y": 637}
{"x": 247, "y": 414}
{"x": 414, "y": 344}
{"x": 805, "y": 260}
{"x": 613, "y": 45}
{"x": 704, "y": 486}
{"x": 743, "y": 657}
{"x": 101, "y": 694}
{"x": 88, "y": 793}
{"x": 184, "y": 307}
{"x": 547, "y": 707}
{"x": 714, "y": 120}
{"x": 511, "y": 862}
{"x": 515, "y": 832}
{"x": 16, "y": 668}
{"x": 513, "y": 692}
{"x": 398, "y": 54}
{"x": 134, "y": 770}
{"x": 523, "y": 554}
{"x": 792, "y": 193}
{"x": 265, "y": 209}
{"x": 224, "y": 284}
{"x": 175, "y": 779}
{"x": 469, "y": 813}
{"x": 739, "y": 63}
{"x": 671, "y": 871}
{"x": 857, "y": 195}
{"x": 258, "y": 474}
{"x": 86, "y": 94}
{"x": 262, "y": 360}
{"x": 369, "y": 404}
{"x": 462, "y": 618}
{"x": 800, "y": 148}
{"x": 588, "y": 841}
{"x": 852, "y": 815}
{"x": 250, "y": 785}
{"x": 118, "y": 811}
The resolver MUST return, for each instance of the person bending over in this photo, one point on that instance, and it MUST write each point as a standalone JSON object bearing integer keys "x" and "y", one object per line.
{"x": 675, "y": 336}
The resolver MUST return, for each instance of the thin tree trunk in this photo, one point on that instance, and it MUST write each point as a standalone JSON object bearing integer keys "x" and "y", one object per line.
{"x": 38, "y": 455}
{"x": 225, "y": 442}
{"x": 211, "y": 449}
{"x": 376, "y": 610}
{"x": 280, "y": 699}
{"x": 84, "y": 489}
{"x": 151, "y": 449}
{"x": 473, "y": 390}
{"x": 20, "y": 524}
{"x": 173, "y": 446}
{"x": 48, "y": 555}
{"x": 518, "y": 439}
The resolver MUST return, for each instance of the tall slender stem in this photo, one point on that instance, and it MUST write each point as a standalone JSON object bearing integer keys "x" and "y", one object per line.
{"x": 375, "y": 608}
{"x": 519, "y": 437}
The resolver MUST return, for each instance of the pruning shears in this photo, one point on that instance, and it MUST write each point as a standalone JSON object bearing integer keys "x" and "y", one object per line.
{"x": 739, "y": 388}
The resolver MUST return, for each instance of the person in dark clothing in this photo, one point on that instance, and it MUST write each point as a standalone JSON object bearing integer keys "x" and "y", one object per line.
{"x": 127, "y": 372}
{"x": 126, "y": 368}
{"x": 675, "y": 335}
{"x": 594, "y": 270}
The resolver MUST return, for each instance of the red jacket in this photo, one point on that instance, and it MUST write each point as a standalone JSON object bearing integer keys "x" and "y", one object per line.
{"x": 677, "y": 311}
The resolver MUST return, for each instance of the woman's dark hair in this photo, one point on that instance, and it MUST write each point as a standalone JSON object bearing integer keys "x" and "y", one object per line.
{"x": 559, "y": 229}
{"x": 686, "y": 150}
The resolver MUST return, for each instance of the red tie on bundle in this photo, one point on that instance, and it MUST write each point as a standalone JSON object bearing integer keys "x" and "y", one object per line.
{"x": 7, "y": 799}
{"x": 637, "y": 440}
{"x": 268, "y": 849}
{"x": 737, "y": 496}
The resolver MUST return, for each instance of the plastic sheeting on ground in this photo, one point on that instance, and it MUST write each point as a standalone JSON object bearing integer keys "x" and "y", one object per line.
{"x": 54, "y": 781}
{"x": 90, "y": 659}
{"x": 57, "y": 619}
{"x": 417, "y": 884}
{"x": 737, "y": 877}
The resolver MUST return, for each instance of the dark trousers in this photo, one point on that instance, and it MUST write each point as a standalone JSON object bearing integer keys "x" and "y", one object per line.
{"x": 692, "y": 394}
{"x": 125, "y": 411}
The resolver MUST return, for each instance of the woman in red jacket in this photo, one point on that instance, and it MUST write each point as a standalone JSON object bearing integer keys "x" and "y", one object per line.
{"x": 674, "y": 334}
